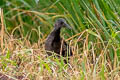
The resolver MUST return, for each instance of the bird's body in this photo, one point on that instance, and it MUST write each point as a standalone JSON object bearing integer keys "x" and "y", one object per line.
{"x": 54, "y": 43}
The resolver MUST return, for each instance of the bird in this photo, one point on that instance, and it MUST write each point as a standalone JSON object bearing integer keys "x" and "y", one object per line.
{"x": 54, "y": 42}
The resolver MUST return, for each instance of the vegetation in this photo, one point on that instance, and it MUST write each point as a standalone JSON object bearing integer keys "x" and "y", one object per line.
{"x": 94, "y": 38}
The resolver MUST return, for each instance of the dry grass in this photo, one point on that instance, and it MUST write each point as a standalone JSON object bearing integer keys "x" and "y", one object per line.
{"x": 22, "y": 60}
{"x": 94, "y": 41}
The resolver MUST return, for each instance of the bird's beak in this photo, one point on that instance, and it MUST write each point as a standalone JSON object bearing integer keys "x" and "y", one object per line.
{"x": 67, "y": 26}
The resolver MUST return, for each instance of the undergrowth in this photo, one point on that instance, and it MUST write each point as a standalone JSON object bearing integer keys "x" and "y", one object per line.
{"x": 94, "y": 39}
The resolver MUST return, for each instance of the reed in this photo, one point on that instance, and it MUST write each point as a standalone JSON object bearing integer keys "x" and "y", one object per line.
{"x": 94, "y": 38}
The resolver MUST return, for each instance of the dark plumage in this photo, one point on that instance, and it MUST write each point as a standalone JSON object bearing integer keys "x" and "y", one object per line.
{"x": 54, "y": 41}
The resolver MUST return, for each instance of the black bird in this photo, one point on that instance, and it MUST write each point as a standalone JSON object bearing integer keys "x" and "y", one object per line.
{"x": 54, "y": 43}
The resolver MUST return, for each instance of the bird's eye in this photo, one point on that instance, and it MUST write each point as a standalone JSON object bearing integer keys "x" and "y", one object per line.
{"x": 61, "y": 22}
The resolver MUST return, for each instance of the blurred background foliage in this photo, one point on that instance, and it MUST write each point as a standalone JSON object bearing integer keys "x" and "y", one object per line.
{"x": 33, "y": 19}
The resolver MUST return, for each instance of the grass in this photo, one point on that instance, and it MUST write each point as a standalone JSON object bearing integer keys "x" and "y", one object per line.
{"x": 94, "y": 39}
{"x": 30, "y": 61}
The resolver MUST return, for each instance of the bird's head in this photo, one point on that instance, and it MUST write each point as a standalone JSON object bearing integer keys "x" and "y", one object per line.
{"x": 61, "y": 23}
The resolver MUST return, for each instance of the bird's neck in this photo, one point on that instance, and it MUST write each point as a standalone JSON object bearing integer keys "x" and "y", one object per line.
{"x": 56, "y": 30}
{"x": 56, "y": 34}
